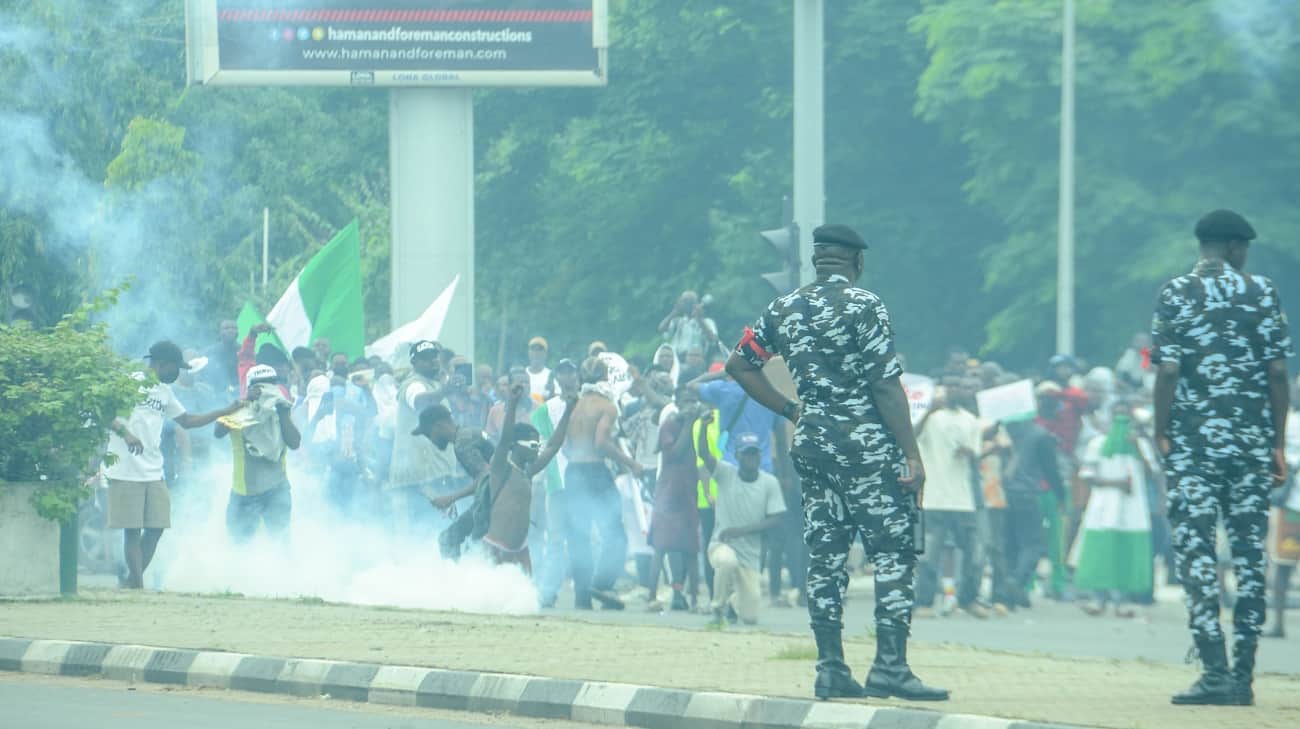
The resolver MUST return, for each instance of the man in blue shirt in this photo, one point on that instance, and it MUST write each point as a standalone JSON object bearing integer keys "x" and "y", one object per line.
{"x": 738, "y": 413}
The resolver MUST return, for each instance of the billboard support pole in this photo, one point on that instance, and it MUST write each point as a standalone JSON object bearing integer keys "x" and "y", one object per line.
{"x": 431, "y": 164}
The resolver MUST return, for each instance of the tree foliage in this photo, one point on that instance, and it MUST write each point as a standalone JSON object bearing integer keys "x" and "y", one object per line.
{"x": 595, "y": 207}
{"x": 59, "y": 391}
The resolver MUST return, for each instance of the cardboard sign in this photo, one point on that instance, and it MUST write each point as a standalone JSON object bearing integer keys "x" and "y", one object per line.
{"x": 619, "y": 374}
{"x": 1008, "y": 403}
{"x": 920, "y": 395}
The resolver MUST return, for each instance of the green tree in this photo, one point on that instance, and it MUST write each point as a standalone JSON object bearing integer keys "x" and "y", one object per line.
{"x": 59, "y": 391}
{"x": 1175, "y": 119}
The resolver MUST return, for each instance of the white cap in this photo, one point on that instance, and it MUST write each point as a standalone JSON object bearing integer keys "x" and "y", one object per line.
{"x": 261, "y": 373}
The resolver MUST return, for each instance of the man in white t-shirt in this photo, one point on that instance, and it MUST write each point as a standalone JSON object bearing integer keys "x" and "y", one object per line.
{"x": 539, "y": 375}
{"x": 950, "y": 439}
{"x": 137, "y": 494}
{"x": 749, "y": 503}
{"x": 420, "y": 471}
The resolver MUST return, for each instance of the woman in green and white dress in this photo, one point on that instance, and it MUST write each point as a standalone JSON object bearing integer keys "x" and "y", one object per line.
{"x": 1112, "y": 554}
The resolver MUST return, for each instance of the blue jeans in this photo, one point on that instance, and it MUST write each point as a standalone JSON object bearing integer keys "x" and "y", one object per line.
{"x": 592, "y": 502}
{"x": 245, "y": 513}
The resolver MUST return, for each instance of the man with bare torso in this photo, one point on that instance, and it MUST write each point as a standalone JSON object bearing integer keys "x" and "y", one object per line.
{"x": 517, "y": 459}
{"x": 591, "y": 498}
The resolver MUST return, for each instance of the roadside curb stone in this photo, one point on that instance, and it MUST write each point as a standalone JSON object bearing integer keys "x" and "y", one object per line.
{"x": 596, "y": 702}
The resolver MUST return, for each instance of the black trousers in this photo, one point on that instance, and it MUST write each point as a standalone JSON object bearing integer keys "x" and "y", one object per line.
{"x": 707, "y": 521}
{"x": 940, "y": 526}
{"x": 1025, "y": 543}
{"x": 786, "y": 549}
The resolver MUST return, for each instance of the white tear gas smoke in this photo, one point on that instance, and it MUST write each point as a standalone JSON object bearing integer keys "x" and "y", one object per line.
{"x": 1264, "y": 32}
{"x": 354, "y": 558}
{"x": 105, "y": 232}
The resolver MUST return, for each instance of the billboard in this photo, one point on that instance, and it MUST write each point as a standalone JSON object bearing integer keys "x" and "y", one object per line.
{"x": 396, "y": 42}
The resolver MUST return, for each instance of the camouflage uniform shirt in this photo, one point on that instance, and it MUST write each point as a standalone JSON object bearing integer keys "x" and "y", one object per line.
{"x": 1223, "y": 327}
{"x": 837, "y": 341}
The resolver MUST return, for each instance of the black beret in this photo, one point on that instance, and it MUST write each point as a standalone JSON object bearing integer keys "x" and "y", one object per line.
{"x": 1223, "y": 225}
{"x": 835, "y": 234}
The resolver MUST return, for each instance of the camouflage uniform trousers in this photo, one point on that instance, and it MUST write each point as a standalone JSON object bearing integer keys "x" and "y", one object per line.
{"x": 1202, "y": 488}
{"x": 840, "y": 504}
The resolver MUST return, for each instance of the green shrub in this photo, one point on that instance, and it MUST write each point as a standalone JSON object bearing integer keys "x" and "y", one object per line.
{"x": 60, "y": 388}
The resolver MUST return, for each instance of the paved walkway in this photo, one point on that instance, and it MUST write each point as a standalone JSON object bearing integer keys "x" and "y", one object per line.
{"x": 1110, "y": 693}
{"x": 1158, "y": 635}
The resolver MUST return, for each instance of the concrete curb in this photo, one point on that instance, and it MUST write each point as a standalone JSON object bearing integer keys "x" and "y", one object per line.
{"x": 532, "y": 696}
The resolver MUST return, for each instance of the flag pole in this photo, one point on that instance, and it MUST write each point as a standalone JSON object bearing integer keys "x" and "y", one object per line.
{"x": 266, "y": 245}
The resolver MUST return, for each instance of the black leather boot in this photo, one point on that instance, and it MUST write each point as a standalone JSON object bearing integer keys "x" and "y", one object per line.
{"x": 1243, "y": 669}
{"x": 834, "y": 679}
{"x": 891, "y": 676}
{"x": 1215, "y": 687}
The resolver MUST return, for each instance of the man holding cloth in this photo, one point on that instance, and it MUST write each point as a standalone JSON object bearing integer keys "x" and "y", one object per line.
{"x": 261, "y": 433}
{"x": 855, "y": 452}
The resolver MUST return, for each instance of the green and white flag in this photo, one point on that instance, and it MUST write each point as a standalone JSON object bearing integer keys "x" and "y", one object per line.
{"x": 325, "y": 299}
{"x": 249, "y": 317}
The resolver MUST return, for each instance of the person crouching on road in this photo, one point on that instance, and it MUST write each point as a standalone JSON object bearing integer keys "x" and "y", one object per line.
{"x": 749, "y": 504}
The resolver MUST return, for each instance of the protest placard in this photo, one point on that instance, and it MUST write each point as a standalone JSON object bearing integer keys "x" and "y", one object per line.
{"x": 1008, "y": 403}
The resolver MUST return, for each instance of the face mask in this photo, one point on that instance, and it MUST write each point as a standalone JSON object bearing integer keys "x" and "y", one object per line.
{"x": 170, "y": 378}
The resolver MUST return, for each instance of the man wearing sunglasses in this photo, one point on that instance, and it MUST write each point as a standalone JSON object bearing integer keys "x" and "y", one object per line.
{"x": 518, "y": 457}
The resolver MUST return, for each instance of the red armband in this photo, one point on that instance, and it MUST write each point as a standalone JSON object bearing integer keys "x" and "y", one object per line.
{"x": 748, "y": 343}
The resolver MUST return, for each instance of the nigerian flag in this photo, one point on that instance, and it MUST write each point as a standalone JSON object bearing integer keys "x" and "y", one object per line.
{"x": 325, "y": 299}
{"x": 249, "y": 317}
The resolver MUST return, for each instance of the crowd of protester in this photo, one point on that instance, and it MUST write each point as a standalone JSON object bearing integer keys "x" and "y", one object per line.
{"x": 702, "y": 510}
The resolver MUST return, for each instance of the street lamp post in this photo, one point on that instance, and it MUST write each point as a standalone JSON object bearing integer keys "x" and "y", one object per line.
{"x": 809, "y": 128}
{"x": 1065, "y": 206}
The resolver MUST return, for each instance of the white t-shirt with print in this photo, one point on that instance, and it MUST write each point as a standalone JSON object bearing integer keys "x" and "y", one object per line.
{"x": 948, "y": 476}
{"x": 146, "y": 423}
{"x": 537, "y": 382}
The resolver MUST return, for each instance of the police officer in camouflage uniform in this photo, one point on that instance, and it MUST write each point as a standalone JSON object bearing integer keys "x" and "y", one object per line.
{"x": 855, "y": 453}
{"x": 1221, "y": 398}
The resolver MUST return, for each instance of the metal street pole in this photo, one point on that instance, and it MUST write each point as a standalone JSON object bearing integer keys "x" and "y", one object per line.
{"x": 809, "y": 128}
{"x": 1065, "y": 206}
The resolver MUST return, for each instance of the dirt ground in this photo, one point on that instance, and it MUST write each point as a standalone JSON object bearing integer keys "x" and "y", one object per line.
{"x": 1104, "y": 693}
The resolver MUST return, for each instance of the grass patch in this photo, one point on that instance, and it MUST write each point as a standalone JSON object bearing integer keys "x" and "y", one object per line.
{"x": 796, "y": 653}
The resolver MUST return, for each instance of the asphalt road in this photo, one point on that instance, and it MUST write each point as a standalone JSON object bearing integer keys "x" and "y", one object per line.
{"x": 40, "y": 702}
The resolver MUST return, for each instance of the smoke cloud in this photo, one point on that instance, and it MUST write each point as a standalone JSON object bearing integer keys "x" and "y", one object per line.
{"x": 1262, "y": 31}
{"x": 108, "y": 235}
{"x": 355, "y": 559}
